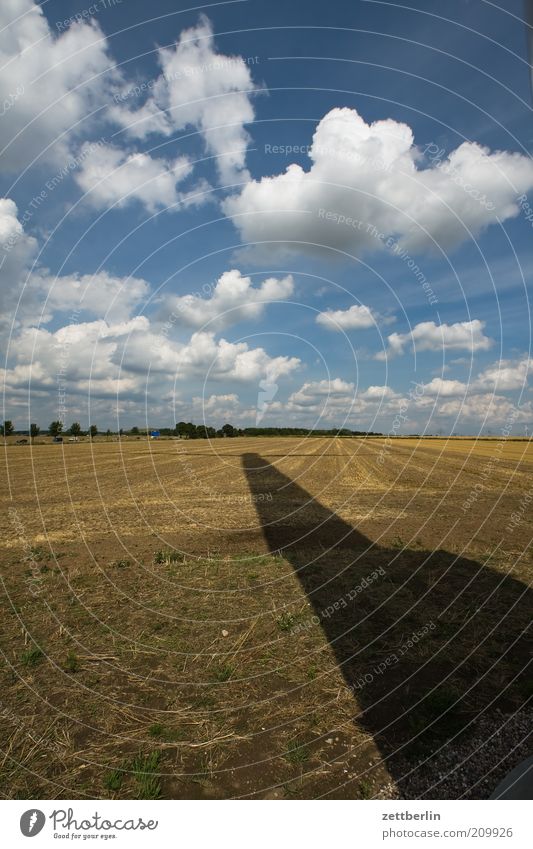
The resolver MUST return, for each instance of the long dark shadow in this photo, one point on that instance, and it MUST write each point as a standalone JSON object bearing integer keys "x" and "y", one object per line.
{"x": 424, "y": 639}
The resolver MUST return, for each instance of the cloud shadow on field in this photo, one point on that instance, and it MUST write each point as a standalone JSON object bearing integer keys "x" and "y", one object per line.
{"x": 411, "y": 695}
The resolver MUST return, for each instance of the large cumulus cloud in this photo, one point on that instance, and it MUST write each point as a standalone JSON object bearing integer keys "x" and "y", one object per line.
{"x": 49, "y": 84}
{"x": 369, "y": 182}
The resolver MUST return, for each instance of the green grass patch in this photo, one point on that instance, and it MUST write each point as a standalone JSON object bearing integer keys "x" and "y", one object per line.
{"x": 167, "y": 556}
{"x": 72, "y": 663}
{"x": 365, "y": 789}
{"x": 286, "y": 621}
{"x": 32, "y": 657}
{"x": 113, "y": 780}
{"x": 144, "y": 769}
{"x": 223, "y": 672}
{"x": 120, "y": 564}
{"x": 297, "y": 753}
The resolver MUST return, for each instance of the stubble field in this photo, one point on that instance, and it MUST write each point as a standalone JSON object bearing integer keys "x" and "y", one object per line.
{"x": 265, "y": 618}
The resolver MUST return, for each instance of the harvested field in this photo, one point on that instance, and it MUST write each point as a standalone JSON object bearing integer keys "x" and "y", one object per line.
{"x": 265, "y": 618}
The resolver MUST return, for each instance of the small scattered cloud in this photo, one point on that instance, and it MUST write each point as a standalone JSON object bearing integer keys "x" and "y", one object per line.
{"x": 112, "y": 177}
{"x": 505, "y": 375}
{"x": 445, "y": 388}
{"x": 429, "y": 336}
{"x": 322, "y": 392}
{"x": 207, "y": 358}
{"x": 356, "y": 317}
{"x": 234, "y": 298}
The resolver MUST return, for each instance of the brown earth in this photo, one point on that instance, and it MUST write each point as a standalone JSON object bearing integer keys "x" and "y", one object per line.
{"x": 271, "y": 618}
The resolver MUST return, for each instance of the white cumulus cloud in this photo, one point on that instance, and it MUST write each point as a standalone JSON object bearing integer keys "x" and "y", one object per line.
{"x": 29, "y": 294}
{"x": 445, "y": 388}
{"x": 98, "y": 295}
{"x": 505, "y": 375}
{"x": 51, "y": 81}
{"x": 322, "y": 392}
{"x": 356, "y": 317}
{"x": 429, "y": 336}
{"x": 198, "y": 87}
{"x": 369, "y": 182}
{"x": 501, "y": 376}
{"x": 485, "y": 408}
{"x": 205, "y": 357}
{"x": 112, "y": 176}
{"x": 233, "y": 299}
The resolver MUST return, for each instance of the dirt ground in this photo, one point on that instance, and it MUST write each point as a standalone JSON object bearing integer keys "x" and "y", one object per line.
{"x": 264, "y": 618}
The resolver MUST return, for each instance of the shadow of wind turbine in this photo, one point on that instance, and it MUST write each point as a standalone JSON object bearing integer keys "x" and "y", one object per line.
{"x": 425, "y": 640}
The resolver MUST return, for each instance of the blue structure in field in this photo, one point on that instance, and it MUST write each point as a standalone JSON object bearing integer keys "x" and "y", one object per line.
{"x": 154, "y": 434}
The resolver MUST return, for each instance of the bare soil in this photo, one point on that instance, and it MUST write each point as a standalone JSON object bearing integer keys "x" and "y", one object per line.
{"x": 264, "y": 618}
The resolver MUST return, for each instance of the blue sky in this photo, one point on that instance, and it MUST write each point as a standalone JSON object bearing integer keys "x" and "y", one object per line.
{"x": 267, "y": 213}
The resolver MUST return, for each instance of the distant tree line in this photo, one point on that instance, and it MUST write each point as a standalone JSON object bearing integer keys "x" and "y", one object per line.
{"x": 188, "y": 430}
{"x": 304, "y": 431}
{"x": 185, "y": 430}
{"x": 55, "y": 429}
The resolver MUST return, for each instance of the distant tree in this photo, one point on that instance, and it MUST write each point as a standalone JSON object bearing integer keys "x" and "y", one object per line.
{"x": 93, "y": 430}
{"x": 186, "y": 430}
{"x": 134, "y": 431}
{"x": 108, "y": 432}
{"x": 121, "y": 432}
{"x": 34, "y": 430}
{"x": 75, "y": 429}
{"x": 55, "y": 428}
{"x": 7, "y": 428}
{"x": 228, "y": 430}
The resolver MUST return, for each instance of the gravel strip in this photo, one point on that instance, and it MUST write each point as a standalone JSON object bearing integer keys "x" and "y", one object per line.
{"x": 470, "y": 767}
